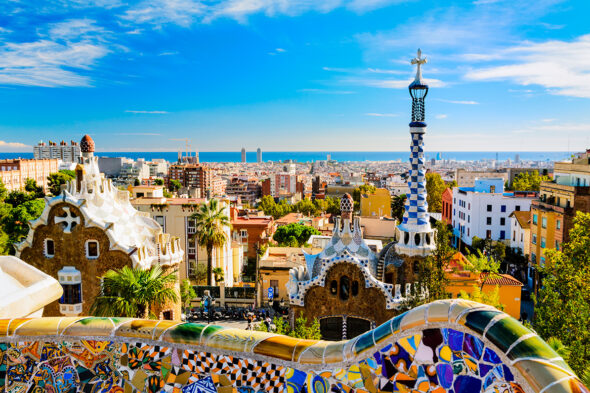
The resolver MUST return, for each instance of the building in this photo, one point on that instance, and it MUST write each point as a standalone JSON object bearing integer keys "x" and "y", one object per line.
{"x": 243, "y": 154}
{"x": 62, "y": 151}
{"x": 248, "y": 190}
{"x": 520, "y": 239}
{"x": 251, "y": 230}
{"x": 174, "y": 215}
{"x": 198, "y": 177}
{"x": 377, "y": 204}
{"x": 145, "y": 191}
{"x": 484, "y": 210}
{"x": 259, "y": 155}
{"x": 465, "y": 178}
{"x": 15, "y": 172}
{"x": 111, "y": 166}
{"x": 283, "y": 185}
{"x": 91, "y": 228}
{"x": 447, "y": 206}
{"x": 559, "y": 200}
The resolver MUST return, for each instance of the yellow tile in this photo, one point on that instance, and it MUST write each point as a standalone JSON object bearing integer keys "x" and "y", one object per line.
{"x": 277, "y": 346}
{"x": 91, "y": 326}
{"x": 40, "y": 327}
{"x": 252, "y": 338}
{"x": 438, "y": 311}
{"x": 414, "y": 318}
{"x": 15, "y": 323}
{"x": 161, "y": 327}
{"x": 137, "y": 328}
{"x": 539, "y": 375}
{"x": 65, "y": 322}
{"x": 302, "y": 345}
{"x": 459, "y": 306}
{"x": 334, "y": 352}
{"x": 314, "y": 354}
{"x": 566, "y": 387}
{"x": 4, "y": 327}
{"x": 228, "y": 340}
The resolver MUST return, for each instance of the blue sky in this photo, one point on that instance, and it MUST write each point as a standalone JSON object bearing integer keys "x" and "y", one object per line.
{"x": 294, "y": 74}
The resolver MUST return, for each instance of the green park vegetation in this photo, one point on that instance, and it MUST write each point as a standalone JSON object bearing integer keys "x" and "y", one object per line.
{"x": 435, "y": 186}
{"x": 307, "y": 207}
{"x": 302, "y": 329}
{"x": 528, "y": 181}
{"x": 294, "y": 235}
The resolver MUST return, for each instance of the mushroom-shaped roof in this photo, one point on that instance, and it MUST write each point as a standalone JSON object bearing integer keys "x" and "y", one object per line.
{"x": 87, "y": 144}
{"x": 346, "y": 203}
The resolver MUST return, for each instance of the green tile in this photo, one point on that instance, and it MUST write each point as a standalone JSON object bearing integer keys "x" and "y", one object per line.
{"x": 364, "y": 342}
{"x": 533, "y": 347}
{"x": 382, "y": 331}
{"x": 505, "y": 332}
{"x": 396, "y": 323}
{"x": 186, "y": 333}
{"x": 478, "y": 320}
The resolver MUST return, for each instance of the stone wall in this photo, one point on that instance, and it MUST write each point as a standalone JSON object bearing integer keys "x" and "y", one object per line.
{"x": 446, "y": 346}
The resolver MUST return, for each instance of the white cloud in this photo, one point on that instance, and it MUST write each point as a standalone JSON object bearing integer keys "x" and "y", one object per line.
{"x": 74, "y": 29}
{"x": 161, "y": 12}
{"x": 460, "y": 102}
{"x": 147, "y": 112}
{"x": 277, "y": 51}
{"x": 12, "y": 146}
{"x": 562, "y": 67}
{"x": 382, "y": 114}
{"x": 441, "y": 116}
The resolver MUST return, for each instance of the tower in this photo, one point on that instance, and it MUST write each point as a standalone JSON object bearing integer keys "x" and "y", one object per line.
{"x": 415, "y": 235}
{"x": 259, "y": 155}
{"x": 243, "y": 154}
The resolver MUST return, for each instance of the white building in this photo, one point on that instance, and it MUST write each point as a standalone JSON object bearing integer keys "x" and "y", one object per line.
{"x": 520, "y": 224}
{"x": 62, "y": 152}
{"x": 484, "y": 210}
{"x": 259, "y": 155}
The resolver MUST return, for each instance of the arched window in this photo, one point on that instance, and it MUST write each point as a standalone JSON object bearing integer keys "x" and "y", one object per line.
{"x": 417, "y": 239}
{"x": 344, "y": 288}
{"x": 406, "y": 237}
{"x": 355, "y": 288}
{"x": 427, "y": 238}
{"x": 334, "y": 287}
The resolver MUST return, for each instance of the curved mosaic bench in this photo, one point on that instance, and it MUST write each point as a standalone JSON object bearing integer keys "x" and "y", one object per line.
{"x": 445, "y": 346}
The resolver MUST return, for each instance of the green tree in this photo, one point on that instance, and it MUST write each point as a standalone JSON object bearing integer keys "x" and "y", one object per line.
{"x": 306, "y": 207}
{"x": 302, "y": 329}
{"x": 433, "y": 269}
{"x": 211, "y": 222}
{"x": 17, "y": 198}
{"x": 174, "y": 185}
{"x": 562, "y": 305}
{"x": 33, "y": 189}
{"x": 15, "y": 220}
{"x": 480, "y": 263}
{"x": 187, "y": 293}
{"x": 333, "y": 206}
{"x": 490, "y": 298}
{"x": 55, "y": 180}
{"x": 294, "y": 234}
{"x": 528, "y": 181}
{"x": 219, "y": 274}
{"x": 136, "y": 182}
{"x": 435, "y": 186}
{"x": 398, "y": 208}
{"x": 159, "y": 182}
{"x": 132, "y": 292}
{"x": 362, "y": 190}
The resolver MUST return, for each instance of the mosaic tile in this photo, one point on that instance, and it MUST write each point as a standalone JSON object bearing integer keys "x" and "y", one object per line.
{"x": 41, "y": 327}
{"x": 505, "y": 332}
{"x": 90, "y": 326}
{"x": 138, "y": 328}
{"x": 281, "y": 347}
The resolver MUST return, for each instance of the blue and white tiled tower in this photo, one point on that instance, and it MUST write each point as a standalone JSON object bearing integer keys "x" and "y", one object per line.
{"x": 416, "y": 236}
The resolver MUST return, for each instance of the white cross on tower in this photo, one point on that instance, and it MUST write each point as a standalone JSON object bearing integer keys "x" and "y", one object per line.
{"x": 69, "y": 219}
{"x": 419, "y": 60}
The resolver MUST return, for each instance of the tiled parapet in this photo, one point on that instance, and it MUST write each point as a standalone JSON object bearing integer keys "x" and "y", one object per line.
{"x": 445, "y": 346}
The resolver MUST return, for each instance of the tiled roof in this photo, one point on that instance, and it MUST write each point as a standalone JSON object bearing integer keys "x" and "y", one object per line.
{"x": 523, "y": 217}
{"x": 501, "y": 279}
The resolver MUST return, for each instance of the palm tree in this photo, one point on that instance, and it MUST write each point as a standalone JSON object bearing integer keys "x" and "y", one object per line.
{"x": 219, "y": 274}
{"x": 131, "y": 292}
{"x": 211, "y": 222}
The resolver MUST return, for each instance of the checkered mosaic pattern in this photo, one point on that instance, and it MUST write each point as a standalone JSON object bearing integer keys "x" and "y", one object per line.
{"x": 416, "y": 206}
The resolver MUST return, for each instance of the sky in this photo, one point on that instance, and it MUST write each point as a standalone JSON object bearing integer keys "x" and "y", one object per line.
{"x": 292, "y": 75}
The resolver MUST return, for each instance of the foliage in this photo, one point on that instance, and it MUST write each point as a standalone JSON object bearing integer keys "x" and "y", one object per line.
{"x": 435, "y": 186}
{"x": 432, "y": 270}
{"x": 491, "y": 298}
{"x": 174, "y": 185}
{"x": 15, "y": 220}
{"x": 362, "y": 190}
{"x": 131, "y": 292}
{"x": 219, "y": 274}
{"x": 494, "y": 249}
{"x": 33, "y": 189}
{"x": 559, "y": 348}
{"x": 167, "y": 194}
{"x": 528, "y": 181}
{"x": 211, "y": 222}
{"x": 302, "y": 330}
{"x": 3, "y": 191}
{"x": 55, "y": 180}
{"x": 480, "y": 263}
{"x": 159, "y": 182}
{"x": 398, "y": 208}
{"x": 200, "y": 274}
{"x": 187, "y": 293}
{"x": 277, "y": 210}
{"x": 17, "y": 198}
{"x": 136, "y": 182}
{"x": 562, "y": 305}
{"x": 294, "y": 235}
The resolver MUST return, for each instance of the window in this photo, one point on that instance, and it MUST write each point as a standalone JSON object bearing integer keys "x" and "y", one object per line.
{"x": 533, "y": 257}
{"x": 503, "y": 208}
{"x": 489, "y": 234}
{"x": 544, "y": 222}
{"x": 344, "y": 288}
{"x": 542, "y": 242}
{"x": 92, "y": 250}
{"x": 489, "y": 220}
{"x": 535, "y": 219}
{"x": 534, "y": 239}
{"x": 513, "y": 236}
{"x": 72, "y": 294}
{"x": 557, "y": 245}
{"x": 162, "y": 221}
{"x": 489, "y": 208}
{"x": 49, "y": 248}
{"x": 521, "y": 237}
{"x": 542, "y": 262}
{"x": 502, "y": 235}
{"x": 558, "y": 224}
{"x": 517, "y": 208}
{"x": 502, "y": 221}
{"x": 469, "y": 218}
{"x": 467, "y": 231}
{"x": 243, "y": 233}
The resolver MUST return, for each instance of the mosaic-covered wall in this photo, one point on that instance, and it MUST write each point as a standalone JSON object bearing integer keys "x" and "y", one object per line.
{"x": 446, "y": 346}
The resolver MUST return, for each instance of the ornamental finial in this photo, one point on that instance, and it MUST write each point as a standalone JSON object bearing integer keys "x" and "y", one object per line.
{"x": 419, "y": 60}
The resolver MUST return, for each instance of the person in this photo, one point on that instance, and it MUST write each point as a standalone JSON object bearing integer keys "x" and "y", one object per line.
{"x": 249, "y": 317}
{"x": 208, "y": 305}
{"x": 267, "y": 323}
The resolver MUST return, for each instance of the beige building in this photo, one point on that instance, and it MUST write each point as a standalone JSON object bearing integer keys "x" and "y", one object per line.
{"x": 173, "y": 214}
{"x": 15, "y": 172}
{"x": 466, "y": 178}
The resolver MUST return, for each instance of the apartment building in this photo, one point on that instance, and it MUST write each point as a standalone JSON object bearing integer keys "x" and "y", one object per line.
{"x": 62, "y": 151}
{"x": 199, "y": 177}
{"x": 15, "y": 172}
{"x": 248, "y": 190}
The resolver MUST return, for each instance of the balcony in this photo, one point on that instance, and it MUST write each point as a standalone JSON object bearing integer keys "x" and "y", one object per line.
{"x": 551, "y": 208}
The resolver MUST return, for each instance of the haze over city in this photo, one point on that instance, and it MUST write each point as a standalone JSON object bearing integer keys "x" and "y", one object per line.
{"x": 294, "y": 76}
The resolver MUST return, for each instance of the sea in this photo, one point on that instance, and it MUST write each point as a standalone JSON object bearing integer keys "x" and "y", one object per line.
{"x": 340, "y": 156}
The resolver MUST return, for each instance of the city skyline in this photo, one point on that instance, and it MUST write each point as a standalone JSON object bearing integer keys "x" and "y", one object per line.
{"x": 295, "y": 76}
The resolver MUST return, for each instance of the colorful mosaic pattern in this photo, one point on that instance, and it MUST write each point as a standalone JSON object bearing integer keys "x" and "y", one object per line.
{"x": 447, "y": 346}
